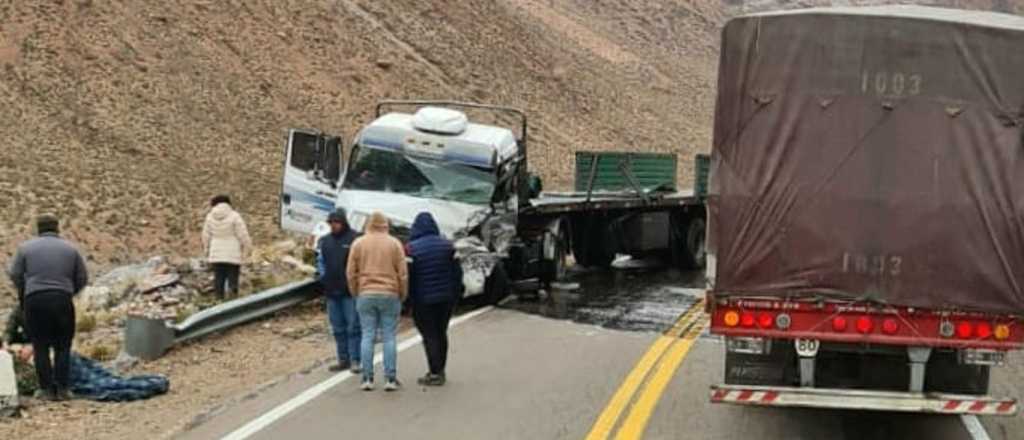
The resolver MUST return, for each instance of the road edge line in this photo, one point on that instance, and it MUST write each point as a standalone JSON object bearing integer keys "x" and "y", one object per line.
{"x": 268, "y": 418}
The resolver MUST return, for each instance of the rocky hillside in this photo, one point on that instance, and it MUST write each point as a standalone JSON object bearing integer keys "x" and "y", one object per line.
{"x": 125, "y": 116}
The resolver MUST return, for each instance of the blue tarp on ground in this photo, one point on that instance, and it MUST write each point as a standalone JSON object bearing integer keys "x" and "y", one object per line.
{"x": 91, "y": 381}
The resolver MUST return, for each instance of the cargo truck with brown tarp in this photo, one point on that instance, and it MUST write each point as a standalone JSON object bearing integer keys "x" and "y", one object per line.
{"x": 866, "y": 207}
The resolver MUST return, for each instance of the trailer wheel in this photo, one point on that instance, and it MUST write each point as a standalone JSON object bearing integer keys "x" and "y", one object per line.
{"x": 695, "y": 252}
{"x": 594, "y": 244}
{"x": 496, "y": 286}
{"x": 687, "y": 248}
{"x": 602, "y": 253}
{"x": 556, "y": 268}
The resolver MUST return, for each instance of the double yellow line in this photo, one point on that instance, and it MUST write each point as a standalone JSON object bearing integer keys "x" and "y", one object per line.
{"x": 666, "y": 353}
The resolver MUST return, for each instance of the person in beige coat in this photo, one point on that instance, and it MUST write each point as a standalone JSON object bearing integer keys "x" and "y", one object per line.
{"x": 226, "y": 242}
{"x": 379, "y": 280}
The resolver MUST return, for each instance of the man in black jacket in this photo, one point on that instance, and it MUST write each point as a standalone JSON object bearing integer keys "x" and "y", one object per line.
{"x": 435, "y": 285}
{"x": 332, "y": 260}
{"x": 48, "y": 271}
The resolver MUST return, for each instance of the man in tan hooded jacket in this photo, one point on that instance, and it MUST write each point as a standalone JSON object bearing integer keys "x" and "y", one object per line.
{"x": 378, "y": 277}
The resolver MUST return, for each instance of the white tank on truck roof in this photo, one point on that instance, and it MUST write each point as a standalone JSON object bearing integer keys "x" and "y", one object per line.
{"x": 441, "y": 133}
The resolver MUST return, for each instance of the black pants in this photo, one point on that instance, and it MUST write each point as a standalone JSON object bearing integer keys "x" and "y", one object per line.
{"x": 432, "y": 322}
{"x": 50, "y": 322}
{"x": 225, "y": 273}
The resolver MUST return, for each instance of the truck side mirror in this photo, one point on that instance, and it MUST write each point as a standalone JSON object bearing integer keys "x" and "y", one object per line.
{"x": 536, "y": 185}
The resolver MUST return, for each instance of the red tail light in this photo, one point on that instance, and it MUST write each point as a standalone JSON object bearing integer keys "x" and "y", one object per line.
{"x": 747, "y": 319}
{"x": 839, "y": 324}
{"x": 864, "y": 324}
{"x": 984, "y": 330}
{"x": 890, "y": 326}
{"x": 964, "y": 330}
{"x": 765, "y": 320}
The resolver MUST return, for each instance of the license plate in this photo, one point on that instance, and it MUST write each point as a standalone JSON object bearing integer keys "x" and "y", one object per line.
{"x": 807, "y": 347}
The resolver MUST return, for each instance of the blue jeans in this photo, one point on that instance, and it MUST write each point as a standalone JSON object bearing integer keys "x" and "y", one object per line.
{"x": 341, "y": 312}
{"x": 379, "y": 312}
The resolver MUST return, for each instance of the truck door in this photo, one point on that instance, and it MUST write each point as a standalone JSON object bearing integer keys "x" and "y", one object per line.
{"x": 312, "y": 171}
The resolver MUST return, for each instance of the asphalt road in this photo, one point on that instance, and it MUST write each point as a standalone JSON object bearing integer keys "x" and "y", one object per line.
{"x": 558, "y": 368}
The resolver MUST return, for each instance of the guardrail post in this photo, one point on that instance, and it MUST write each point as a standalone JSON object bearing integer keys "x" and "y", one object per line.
{"x": 147, "y": 338}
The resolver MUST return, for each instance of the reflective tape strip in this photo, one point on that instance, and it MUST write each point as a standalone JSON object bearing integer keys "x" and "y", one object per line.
{"x": 978, "y": 406}
{"x": 861, "y": 399}
{"x": 765, "y": 397}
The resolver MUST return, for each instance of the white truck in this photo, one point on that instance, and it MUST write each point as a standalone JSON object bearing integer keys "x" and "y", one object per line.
{"x": 473, "y": 178}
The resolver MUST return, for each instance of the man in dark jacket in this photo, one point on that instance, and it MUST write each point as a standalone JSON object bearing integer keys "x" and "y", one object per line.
{"x": 435, "y": 285}
{"x": 332, "y": 258}
{"x": 48, "y": 271}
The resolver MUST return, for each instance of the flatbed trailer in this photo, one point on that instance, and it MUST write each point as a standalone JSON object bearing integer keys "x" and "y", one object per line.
{"x": 473, "y": 178}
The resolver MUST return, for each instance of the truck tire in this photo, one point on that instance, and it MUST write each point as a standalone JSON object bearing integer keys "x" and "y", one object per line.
{"x": 687, "y": 248}
{"x": 602, "y": 252}
{"x": 946, "y": 374}
{"x": 497, "y": 285}
{"x": 695, "y": 252}
{"x": 556, "y": 268}
{"x": 593, "y": 244}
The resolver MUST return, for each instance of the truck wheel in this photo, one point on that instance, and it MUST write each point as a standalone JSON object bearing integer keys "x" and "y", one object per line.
{"x": 694, "y": 250}
{"x": 594, "y": 244}
{"x": 556, "y": 269}
{"x": 602, "y": 252}
{"x": 496, "y": 286}
{"x": 946, "y": 374}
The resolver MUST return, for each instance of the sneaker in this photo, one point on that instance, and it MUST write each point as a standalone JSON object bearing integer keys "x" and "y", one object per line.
{"x": 431, "y": 380}
{"x": 392, "y": 385}
{"x": 340, "y": 366}
{"x": 439, "y": 380}
{"x": 64, "y": 395}
{"x": 356, "y": 368}
{"x": 367, "y": 385}
{"x": 46, "y": 395}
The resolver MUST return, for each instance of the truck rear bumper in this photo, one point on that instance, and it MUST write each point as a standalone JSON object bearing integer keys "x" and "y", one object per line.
{"x": 862, "y": 400}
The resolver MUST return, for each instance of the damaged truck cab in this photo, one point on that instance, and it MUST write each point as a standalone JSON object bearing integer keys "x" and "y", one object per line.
{"x": 466, "y": 175}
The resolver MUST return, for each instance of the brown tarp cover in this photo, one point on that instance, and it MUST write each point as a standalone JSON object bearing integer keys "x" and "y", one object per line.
{"x": 871, "y": 154}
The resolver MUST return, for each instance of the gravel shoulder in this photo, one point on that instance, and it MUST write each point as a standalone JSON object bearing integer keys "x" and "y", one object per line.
{"x": 206, "y": 376}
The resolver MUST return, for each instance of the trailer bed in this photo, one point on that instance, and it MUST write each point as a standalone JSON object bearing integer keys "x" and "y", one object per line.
{"x": 577, "y": 201}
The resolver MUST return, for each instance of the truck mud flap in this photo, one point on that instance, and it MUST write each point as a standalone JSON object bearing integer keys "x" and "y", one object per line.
{"x": 863, "y": 400}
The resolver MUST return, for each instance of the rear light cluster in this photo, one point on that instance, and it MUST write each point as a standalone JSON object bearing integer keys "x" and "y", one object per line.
{"x": 763, "y": 320}
{"x": 866, "y": 324}
{"x": 979, "y": 330}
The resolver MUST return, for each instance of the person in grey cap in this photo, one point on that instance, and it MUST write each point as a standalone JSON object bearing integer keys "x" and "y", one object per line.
{"x": 332, "y": 261}
{"x": 48, "y": 271}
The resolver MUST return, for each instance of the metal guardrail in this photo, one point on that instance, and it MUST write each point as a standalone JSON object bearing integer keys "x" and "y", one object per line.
{"x": 151, "y": 338}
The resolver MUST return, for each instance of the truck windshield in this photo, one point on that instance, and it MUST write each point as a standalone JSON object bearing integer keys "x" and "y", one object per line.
{"x": 373, "y": 169}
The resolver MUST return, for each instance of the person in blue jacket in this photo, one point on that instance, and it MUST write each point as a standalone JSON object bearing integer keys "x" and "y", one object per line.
{"x": 331, "y": 261}
{"x": 435, "y": 286}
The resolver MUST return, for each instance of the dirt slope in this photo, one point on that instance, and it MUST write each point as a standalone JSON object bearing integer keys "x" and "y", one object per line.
{"x": 124, "y": 116}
